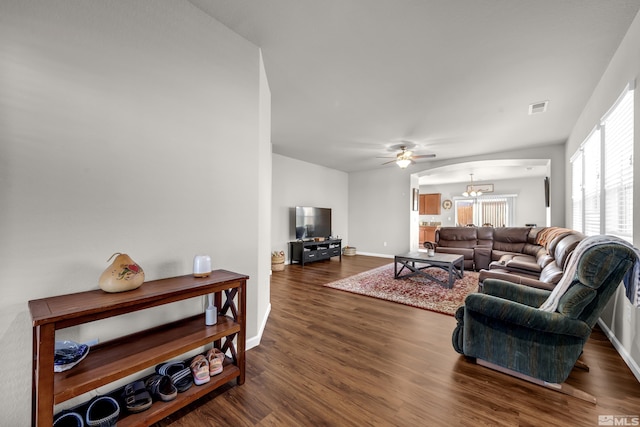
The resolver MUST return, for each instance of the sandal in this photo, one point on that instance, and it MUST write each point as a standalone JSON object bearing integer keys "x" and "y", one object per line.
{"x": 200, "y": 370}
{"x": 136, "y": 397}
{"x": 179, "y": 373}
{"x": 103, "y": 411}
{"x": 68, "y": 419}
{"x": 161, "y": 388}
{"x": 215, "y": 358}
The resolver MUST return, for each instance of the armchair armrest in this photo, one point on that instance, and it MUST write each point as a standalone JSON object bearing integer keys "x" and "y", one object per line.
{"x": 522, "y": 294}
{"x": 514, "y": 313}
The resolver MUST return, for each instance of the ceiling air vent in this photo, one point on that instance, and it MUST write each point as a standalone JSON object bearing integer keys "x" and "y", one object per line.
{"x": 538, "y": 107}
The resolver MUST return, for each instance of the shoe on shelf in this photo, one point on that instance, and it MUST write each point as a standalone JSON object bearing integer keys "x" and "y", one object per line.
{"x": 161, "y": 388}
{"x": 68, "y": 419}
{"x": 200, "y": 369}
{"x": 179, "y": 373}
{"x": 215, "y": 358}
{"x": 136, "y": 397}
{"x": 103, "y": 411}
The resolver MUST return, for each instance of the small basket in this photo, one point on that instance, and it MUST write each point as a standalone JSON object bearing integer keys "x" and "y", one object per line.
{"x": 277, "y": 262}
{"x": 349, "y": 251}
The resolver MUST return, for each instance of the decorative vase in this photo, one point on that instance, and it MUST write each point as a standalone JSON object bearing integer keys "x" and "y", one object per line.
{"x": 122, "y": 275}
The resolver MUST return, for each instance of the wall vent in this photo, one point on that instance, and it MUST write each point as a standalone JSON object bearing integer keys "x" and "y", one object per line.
{"x": 538, "y": 107}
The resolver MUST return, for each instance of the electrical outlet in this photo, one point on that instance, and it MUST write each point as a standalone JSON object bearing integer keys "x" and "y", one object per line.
{"x": 384, "y": 244}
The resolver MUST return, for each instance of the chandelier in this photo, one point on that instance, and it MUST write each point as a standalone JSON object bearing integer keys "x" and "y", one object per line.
{"x": 471, "y": 190}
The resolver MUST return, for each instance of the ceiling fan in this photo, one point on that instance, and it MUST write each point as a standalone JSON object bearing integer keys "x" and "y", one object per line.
{"x": 405, "y": 157}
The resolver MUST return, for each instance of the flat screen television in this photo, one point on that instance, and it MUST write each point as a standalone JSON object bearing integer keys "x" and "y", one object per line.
{"x": 312, "y": 222}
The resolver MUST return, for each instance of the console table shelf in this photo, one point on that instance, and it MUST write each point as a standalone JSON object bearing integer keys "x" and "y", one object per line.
{"x": 126, "y": 355}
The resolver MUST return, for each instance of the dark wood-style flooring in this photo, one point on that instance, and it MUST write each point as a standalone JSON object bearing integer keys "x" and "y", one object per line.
{"x": 333, "y": 358}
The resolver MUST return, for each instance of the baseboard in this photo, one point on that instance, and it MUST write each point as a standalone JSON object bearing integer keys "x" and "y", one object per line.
{"x": 376, "y": 255}
{"x": 255, "y": 341}
{"x": 635, "y": 369}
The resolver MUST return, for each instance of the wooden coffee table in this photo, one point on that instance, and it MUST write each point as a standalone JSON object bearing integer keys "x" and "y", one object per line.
{"x": 454, "y": 264}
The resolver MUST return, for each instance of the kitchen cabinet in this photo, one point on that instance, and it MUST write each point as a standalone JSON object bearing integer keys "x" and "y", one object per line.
{"x": 427, "y": 234}
{"x": 429, "y": 204}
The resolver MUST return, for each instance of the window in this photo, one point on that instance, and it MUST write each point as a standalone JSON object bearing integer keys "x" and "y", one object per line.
{"x": 497, "y": 211}
{"x": 591, "y": 184}
{"x": 577, "y": 195}
{"x": 602, "y": 174}
{"x": 618, "y": 169}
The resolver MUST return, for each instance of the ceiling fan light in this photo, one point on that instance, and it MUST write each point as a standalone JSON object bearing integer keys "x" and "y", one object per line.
{"x": 403, "y": 163}
{"x": 465, "y": 194}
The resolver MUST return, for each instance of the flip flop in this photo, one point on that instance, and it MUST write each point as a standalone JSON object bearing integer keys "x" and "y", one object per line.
{"x": 136, "y": 397}
{"x": 200, "y": 369}
{"x": 179, "y": 373}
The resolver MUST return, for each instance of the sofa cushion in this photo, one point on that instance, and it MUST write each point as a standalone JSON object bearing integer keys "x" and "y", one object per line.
{"x": 485, "y": 236}
{"x": 551, "y": 273}
{"x": 457, "y": 237}
{"x": 564, "y": 248}
{"x": 523, "y": 263}
{"x": 510, "y": 239}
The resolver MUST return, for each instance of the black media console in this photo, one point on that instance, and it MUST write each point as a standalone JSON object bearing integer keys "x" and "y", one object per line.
{"x": 308, "y": 251}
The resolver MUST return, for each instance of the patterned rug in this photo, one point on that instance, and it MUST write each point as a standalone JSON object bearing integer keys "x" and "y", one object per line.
{"x": 415, "y": 291}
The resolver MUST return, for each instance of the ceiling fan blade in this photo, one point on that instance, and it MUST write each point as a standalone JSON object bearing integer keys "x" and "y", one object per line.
{"x": 424, "y": 156}
{"x": 387, "y": 157}
{"x": 390, "y": 161}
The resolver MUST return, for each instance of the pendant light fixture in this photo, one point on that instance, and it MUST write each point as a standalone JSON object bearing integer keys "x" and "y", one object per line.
{"x": 471, "y": 191}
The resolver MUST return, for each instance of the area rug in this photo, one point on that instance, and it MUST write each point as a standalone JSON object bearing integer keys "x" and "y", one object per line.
{"x": 415, "y": 291}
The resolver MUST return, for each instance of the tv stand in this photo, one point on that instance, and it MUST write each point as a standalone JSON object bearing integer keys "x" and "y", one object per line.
{"x": 304, "y": 252}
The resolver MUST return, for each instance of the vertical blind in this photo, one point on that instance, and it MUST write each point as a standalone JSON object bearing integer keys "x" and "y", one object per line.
{"x": 494, "y": 210}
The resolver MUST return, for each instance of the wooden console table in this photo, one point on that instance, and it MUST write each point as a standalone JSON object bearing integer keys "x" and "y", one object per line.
{"x": 127, "y": 355}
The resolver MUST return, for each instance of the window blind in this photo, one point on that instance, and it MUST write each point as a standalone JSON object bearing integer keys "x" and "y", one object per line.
{"x": 618, "y": 168}
{"x": 591, "y": 183}
{"x": 494, "y": 210}
{"x": 576, "y": 192}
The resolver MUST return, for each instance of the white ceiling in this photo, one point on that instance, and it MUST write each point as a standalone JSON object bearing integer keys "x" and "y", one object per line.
{"x": 351, "y": 78}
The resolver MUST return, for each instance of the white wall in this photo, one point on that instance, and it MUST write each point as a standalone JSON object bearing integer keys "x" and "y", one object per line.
{"x": 380, "y": 211}
{"x": 263, "y": 255}
{"x": 380, "y": 200}
{"x": 298, "y": 183}
{"x": 117, "y": 124}
{"x": 621, "y": 319}
{"x": 530, "y": 207}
